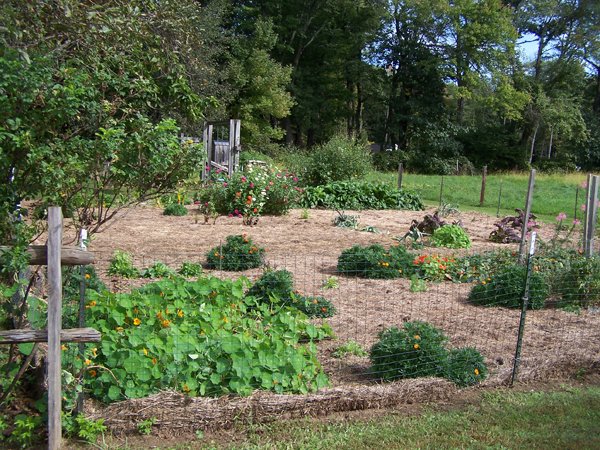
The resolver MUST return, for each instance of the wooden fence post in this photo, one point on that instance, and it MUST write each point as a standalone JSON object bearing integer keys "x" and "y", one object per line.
{"x": 400, "y": 175}
{"x": 54, "y": 326}
{"x": 483, "y": 180}
{"x": 528, "y": 201}
{"x": 591, "y": 215}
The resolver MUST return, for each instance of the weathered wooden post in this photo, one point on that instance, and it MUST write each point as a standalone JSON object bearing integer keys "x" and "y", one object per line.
{"x": 499, "y": 199}
{"x": 483, "y": 180}
{"x": 528, "y": 202}
{"x": 591, "y": 215}
{"x": 400, "y": 175}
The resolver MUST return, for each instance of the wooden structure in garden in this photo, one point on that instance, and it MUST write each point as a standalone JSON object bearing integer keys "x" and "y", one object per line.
{"x": 54, "y": 256}
{"x": 222, "y": 144}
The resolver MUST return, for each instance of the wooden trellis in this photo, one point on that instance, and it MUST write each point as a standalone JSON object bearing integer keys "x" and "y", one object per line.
{"x": 54, "y": 256}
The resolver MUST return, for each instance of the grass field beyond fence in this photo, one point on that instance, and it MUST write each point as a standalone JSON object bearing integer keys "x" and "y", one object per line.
{"x": 552, "y": 194}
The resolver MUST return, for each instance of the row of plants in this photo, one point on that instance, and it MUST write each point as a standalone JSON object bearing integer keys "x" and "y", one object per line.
{"x": 565, "y": 276}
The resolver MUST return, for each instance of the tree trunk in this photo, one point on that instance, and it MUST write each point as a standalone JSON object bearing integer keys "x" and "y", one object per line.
{"x": 533, "y": 143}
{"x": 550, "y": 145}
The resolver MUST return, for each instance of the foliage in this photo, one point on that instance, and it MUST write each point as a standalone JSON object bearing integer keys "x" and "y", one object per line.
{"x": 331, "y": 283}
{"x": 451, "y": 236}
{"x": 339, "y": 159}
{"x": 344, "y": 220}
{"x": 250, "y": 194}
{"x": 349, "y": 348}
{"x": 375, "y": 261}
{"x": 145, "y": 426}
{"x": 417, "y": 284}
{"x": 89, "y": 430}
{"x": 509, "y": 229}
{"x": 158, "y": 270}
{"x": 121, "y": 265}
{"x": 480, "y": 266}
{"x": 506, "y": 288}
{"x": 276, "y": 287}
{"x": 206, "y": 338}
{"x": 579, "y": 285}
{"x": 416, "y": 350}
{"x": 72, "y": 281}
{"x": 304, "y": 214}
{"x": 190, "y": 269}
{"x": 465, "y": 367}
{"x": 23, "y": 433}
{"x": 359, "y": 195}
{"x": 175, "y": 209}
{"x": 428, "y": 225}
{"x": 238, "y": 253}
{"x": 434, "y": 267}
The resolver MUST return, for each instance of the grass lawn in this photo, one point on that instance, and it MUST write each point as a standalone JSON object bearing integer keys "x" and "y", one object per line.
{"x": 566, "y": 419}
{"x": 552, "y": 193}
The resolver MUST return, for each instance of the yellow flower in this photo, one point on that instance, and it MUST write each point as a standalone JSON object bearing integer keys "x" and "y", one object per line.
{"x": 145, "y": 350}
{"x": 95, "y": 352}
{"x": 180, "y": 313}
{"x": 417, "y": 337}
{"x": 136, "y": 321}
{"x": 165, "y": 323}
{"x": 119, "y": 329}
{"x": 159, "y": 315}
{"x": 87, "y": 276}
{"x": 225, "y": 319}
{"x": 186, "y": 388}
{"x": 416, "y": 346}
{"x": 91, "y": 304}
{"x": 63, "y": 347}
{"x": 476, "y": 371}
{"x": 87, "y": 362}
{"x": 483, "y": 282}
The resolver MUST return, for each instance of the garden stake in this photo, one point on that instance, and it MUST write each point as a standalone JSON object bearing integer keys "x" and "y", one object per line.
{"x": 526, "y": 218}
{"x": 524, "y": 304}
{"x": 499, "y": 199}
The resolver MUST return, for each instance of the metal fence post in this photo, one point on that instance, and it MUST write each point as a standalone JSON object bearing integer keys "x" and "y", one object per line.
{"x": 524, "y": 305}
{"x": 81, "y": 319}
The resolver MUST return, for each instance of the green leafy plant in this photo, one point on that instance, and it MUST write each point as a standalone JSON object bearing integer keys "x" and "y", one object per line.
{"x": 344, "y": 220}
{"x": 23, "y": 433}
{"x": 72, "y": 281}
{"x": 434, "y": 267}
{"x": 238, "y": 253}
{"x": 145, "y": 426}
{"x": 203, "y": 337}
{"x": 89, "y": 430}
{"x": 304, "y": 214}
{"x": 417, "y": 284}
{"x": 121, "y": 265}
{"x": 451, "y": 236}
{"x": 506, "y": 288}
{"x": 331, "y": 283}
{"x": 190, "y": 269}
{"x": 416, "y": 350}
{"x": 349, "y": 348}
{"x": 318, "y": 307}
{"x": 175, "y": 209}
{"x": 158, "y": 270}
{"x": 465, "y": 367}
{"x": 579, "y": 285}
{"x": 375, "y": 261}
{"x": 359, "y": 195}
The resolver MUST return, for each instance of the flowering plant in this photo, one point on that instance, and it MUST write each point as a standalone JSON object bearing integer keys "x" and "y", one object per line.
{"x": 434, "y": 267}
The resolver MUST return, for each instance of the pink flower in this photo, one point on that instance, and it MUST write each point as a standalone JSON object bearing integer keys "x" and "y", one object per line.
{"x": 224, "y": 184}
{"x": 584, "y": 185}
{"x": 576, "y": 222}
{"x": 296, "y": 179}
{"x": 244, "y": 179}
{"x": 270, "y": 183}
{"x": 230, "y": 215}
{"x": 236, "y": 212}
{"x": 251, "y": 185}
{"x": 583, "y": 207}
{"x": 218, "y": 171}
{"x": 196, "y": 202}
{"x": 206, "y": 204}
{"x": 561, "y": 216}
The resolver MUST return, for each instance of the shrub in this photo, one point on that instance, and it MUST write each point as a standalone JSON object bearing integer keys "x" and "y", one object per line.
{"x": 121, "y": 265}
{"x": 506, "y": 289}
{"x": 339, "y": 159}
{"x": 451, "y": 236}
{"x": 201, "y": 337}
{"x": 190, "y": 269}
{"x": 158, "y": 270}
{"x": 375, "y": 261}
{"x": 359, "y": 195}
{"x": 72, "y": 281}
{"x": 388, "y": 161}
{"x": 465, "y": 367}
{"x": 480, "y": 266}
{"x": 416, "y": 350}
{"x": 434, "y": 267}
{"x": 579, "y": 285}
{"x": 238, "y": 253}
{"x": 349, "y": 348}
{"x": 175, "y": 209}
{"x": 277, "y": 286}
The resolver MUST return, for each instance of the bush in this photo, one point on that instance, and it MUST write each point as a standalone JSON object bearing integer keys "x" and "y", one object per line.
{"x": 190, "y": 269}
{"x": 451, "y": 236}
{"x": 238, "y": 253}
{"x": 579, "y": 285}
{"x": 277, "y": 286}
{"x": 388, "y": 161}
{"x": 121, "y": 265}
{"x": 72, "y": 281}
{"x": 359, "y": 195}
{"x": 506, "y": 289}
{"x": 416, "y": 350}
{"x": 175, "y": 209}
{"x": 158, "y": 270}
{"x": 207, "y": 338}
{"x": 375, "y": 261}
{"x": 339, "y": 159}
{"x": 465, "y": 367}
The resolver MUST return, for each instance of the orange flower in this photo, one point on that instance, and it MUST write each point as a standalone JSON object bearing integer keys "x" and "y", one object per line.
{"x": 324, "y": 309}
{"x": 238, "y": 194}
{"x": 137, "y": 322}
{"x": 91, "y": 304}
{"x": 417, "y": 337}
{"x": 186, "y": 388}
{"x": 87, "y": 362}
{"x": 255, "y": 210}
{"x": 416, "y": 346}
{"x": 476, "y": 371}
{"x": 92, "y": 373}
{"x": 63, "y": 347}
{"x": 87, "y": 276}
{"x": 154, "y": 361}
{"x": 159, "y": 315}
{"x": 165, "y": 323}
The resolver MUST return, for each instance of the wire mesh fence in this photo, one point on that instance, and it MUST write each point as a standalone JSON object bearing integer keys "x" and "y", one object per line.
{"x": 459, "y": 320}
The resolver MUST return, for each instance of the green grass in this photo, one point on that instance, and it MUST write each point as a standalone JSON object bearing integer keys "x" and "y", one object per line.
{"x": 504, "y": 419}
{"x": 552, "y": 193}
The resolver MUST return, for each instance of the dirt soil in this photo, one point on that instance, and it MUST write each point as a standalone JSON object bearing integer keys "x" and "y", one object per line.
{"x": 556, "y": 343}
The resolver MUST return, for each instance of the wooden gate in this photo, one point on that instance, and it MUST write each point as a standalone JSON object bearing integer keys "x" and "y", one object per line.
{"x": 222, "y": 144}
